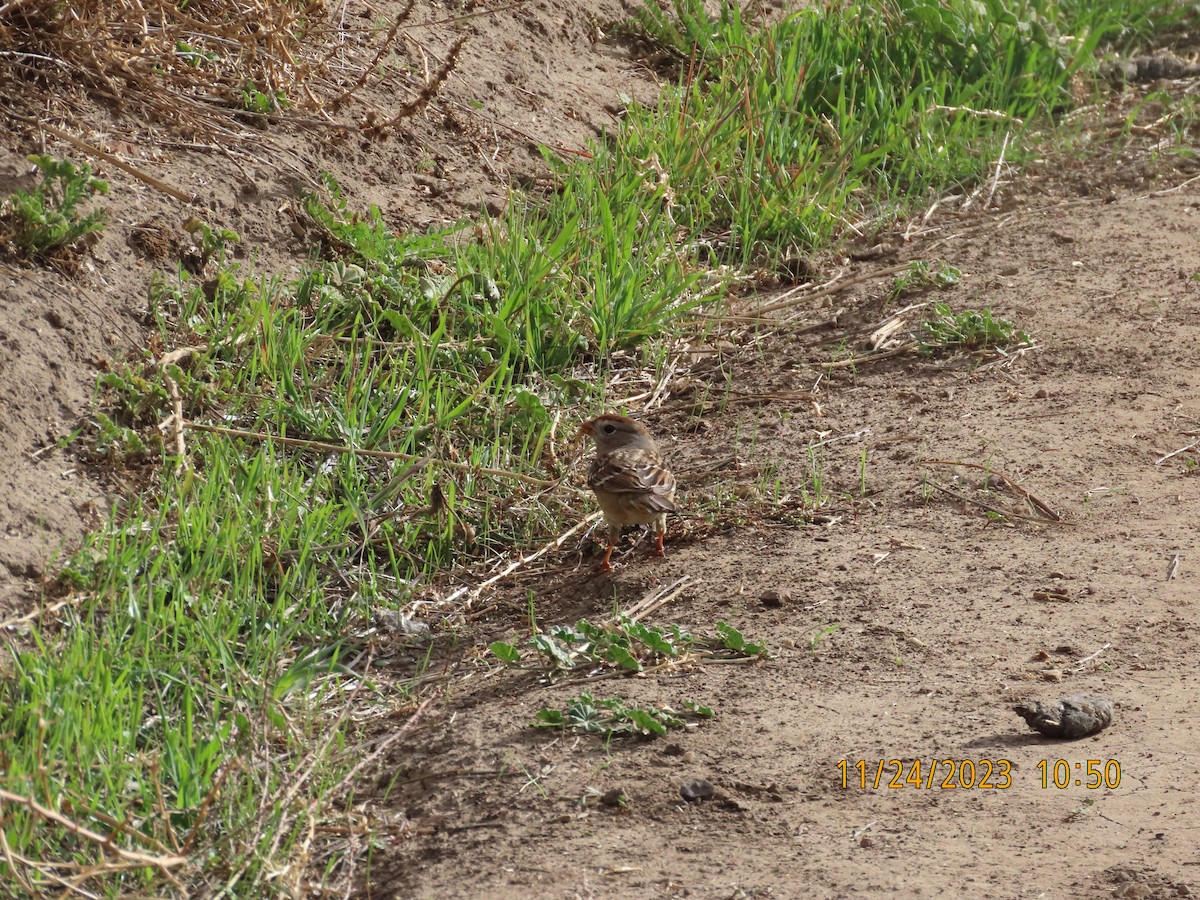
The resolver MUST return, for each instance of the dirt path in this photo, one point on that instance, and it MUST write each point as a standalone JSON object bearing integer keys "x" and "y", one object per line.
{"x": 945, "y": 619}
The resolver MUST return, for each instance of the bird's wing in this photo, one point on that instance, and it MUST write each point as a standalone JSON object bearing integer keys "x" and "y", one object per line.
{"x": 635, "y": 472}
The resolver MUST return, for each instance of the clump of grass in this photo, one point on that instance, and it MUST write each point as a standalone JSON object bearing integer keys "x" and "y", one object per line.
{"x": 616, "y": 716}
{"x": 1124, "y": 25}
{"x": 947, "y": 331}
{"x": 685, "y": 32}
{"x": 850, "y": 112}
{"x": 52, "y": 216}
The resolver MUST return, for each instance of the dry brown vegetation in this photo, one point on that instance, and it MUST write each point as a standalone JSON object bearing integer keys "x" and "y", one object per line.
{"x": 191, "y": 68}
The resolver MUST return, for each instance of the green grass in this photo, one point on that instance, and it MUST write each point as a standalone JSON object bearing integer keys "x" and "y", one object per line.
{"x": 191, "y": 695}
{"x": 51, "y": 217}
{"x": 846, "y": 113}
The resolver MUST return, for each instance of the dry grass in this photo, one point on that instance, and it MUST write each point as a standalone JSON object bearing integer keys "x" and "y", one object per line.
{"x": 201, "y": 68}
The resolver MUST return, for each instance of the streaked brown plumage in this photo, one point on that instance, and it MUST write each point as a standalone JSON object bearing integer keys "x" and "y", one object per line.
{"x": 630, "y": 479}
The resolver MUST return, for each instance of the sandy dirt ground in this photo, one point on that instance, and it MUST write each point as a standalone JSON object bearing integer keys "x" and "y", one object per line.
{"x": 906, "y": 619}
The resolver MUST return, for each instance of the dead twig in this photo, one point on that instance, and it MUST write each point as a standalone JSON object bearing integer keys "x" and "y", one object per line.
{"x": 454, "y": 20}
{"x": 430, "y": 90}
{"x": 996, "y": 510}
{"x": 852, "y": 436}
{"x": 1174, "y": 453}
{"x": 876, "y": 356}
{"x": 93, "y": 150}
{"x": 147, "y": 860}
{"x": 1028, "y": 496}
{"x": 174, "y": 423}
{"x": 996, "y": 177}
{"x": 657, "y": 599}
{"x": 349, "y": 778}
{"x": 807, "y": 293}
{"x": 451, "y": 773}
{"x": 39, "y": 611}
{"x": 1087, "y": 659}
{"x": 401, "y": 17}
{"x": 978, "y": 113}
{"x": 520, "y": 562}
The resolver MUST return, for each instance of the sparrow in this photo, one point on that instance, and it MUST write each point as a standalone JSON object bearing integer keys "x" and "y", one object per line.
{"x": 629, "y": 478}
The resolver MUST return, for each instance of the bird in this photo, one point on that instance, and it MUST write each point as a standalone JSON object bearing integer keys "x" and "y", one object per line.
{"x": 631, "y": 482}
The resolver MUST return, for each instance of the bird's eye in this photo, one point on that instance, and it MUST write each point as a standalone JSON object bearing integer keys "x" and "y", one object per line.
{"x": 610, "y": 428}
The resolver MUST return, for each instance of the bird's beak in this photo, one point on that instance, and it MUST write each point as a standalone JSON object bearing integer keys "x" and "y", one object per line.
{"x": 586, "y": 428}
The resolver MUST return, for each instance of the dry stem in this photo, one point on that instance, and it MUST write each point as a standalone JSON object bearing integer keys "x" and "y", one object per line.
{"x": 133, "y": 856}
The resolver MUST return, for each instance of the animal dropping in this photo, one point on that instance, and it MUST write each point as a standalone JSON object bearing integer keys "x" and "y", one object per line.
{"x": 1070, "y": 718}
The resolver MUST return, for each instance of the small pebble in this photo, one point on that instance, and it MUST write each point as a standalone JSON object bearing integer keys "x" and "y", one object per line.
{"x": 774, "y": 599}
{"x": 696, "y": 789}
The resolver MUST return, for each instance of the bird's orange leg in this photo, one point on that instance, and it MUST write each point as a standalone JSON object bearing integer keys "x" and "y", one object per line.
{"x": 606, "y": 566}
{"x": 658, "y": 551}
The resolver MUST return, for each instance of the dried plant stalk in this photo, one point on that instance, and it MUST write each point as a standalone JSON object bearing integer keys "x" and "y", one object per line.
{"x": 202, "y": 68}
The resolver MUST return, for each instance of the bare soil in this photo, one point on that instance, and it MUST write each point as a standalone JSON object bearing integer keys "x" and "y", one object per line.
{"x": 947, "y": 615}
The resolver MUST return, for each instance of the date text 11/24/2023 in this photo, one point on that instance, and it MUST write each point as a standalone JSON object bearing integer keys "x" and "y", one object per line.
{"x": 966, "y": 774}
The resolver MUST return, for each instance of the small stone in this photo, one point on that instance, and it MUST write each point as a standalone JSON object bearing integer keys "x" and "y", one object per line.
{"x": 1052, "y": 675}
{"x": 1041, "y": 394}
{"x": 774, "y": 599}
{"x": 696, "y": 789}
{"x": 866, "y": 843}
